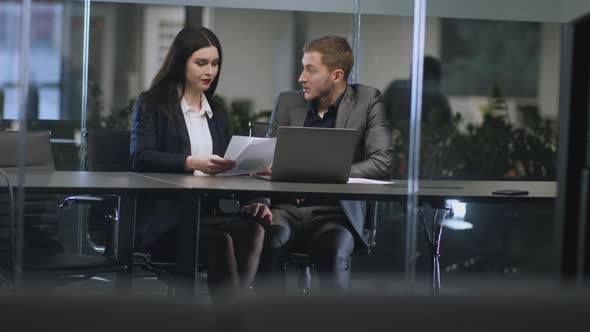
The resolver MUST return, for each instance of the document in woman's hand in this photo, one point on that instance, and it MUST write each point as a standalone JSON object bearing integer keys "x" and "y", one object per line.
{"x": 251, "y": 154}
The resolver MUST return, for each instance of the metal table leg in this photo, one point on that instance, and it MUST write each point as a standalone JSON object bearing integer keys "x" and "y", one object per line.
{"x": 188, "y": 247}
{"x": 434, "y": 236}
{"x": 125, "y": 239}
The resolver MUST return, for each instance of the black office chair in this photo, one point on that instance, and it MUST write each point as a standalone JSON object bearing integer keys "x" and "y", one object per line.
{"x": 257, "y": 128}
{"x": 108, "y": 151}
{"x": 301, "y": 261}
{"x": 43, "y": 256}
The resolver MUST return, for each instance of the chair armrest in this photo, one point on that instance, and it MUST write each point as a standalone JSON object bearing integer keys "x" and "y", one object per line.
{"x": 68, "y": 202}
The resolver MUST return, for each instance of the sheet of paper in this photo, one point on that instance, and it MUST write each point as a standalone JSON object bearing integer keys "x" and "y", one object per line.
{"x": 237, "y": 144}
{"x": 368, "y": 181}
{"x": 251, "y": 154}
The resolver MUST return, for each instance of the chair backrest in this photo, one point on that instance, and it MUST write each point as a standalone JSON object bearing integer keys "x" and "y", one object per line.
{"x": 40, "y": 212}
{"x": 108, "y": 150}
{"x": 257, "y": 128}
{"x": 38, "y": 153}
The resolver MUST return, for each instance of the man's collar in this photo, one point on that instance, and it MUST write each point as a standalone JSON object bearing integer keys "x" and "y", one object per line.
{"x": 334, "y": 106}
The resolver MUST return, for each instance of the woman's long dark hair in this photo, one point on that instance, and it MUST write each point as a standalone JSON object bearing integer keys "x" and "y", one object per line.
{"x": 163, "y": 92}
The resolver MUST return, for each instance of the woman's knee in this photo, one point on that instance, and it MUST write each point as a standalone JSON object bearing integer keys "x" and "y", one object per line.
{"x": 220, "y": 242}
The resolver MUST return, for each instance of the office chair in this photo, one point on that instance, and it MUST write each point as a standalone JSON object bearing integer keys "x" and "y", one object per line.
{"x": 257, "y": 128}
{"x": 108, "y": 151}
{"x": 301, "y": 261}
{"x": 43, "y": 256}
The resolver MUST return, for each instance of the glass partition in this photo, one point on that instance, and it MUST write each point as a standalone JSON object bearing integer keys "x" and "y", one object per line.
{"x": 490, "y": 111}
{"x": 385, "y": 55}
{"x": 54, "y": 71}
{"x": 262, "y": 45}
{"x": 477, "y": 85}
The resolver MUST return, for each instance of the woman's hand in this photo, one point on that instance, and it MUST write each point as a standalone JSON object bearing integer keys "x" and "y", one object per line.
{"x": 259, "y": 211}
{"x": 209, "y": 164}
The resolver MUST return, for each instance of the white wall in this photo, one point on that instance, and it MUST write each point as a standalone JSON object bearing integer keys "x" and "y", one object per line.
{"x": 258, "y": 60}
{"x": 107, "y": 47}
{"x": 518, "y": 10}
{"x": 550, "y": 61}
{"x": 257, "y": 54}
{"x": 386, "y": 47}
{"x": 158, "y": 20}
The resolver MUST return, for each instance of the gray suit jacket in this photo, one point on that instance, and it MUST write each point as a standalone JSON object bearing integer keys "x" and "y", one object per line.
{"x": 361, "y": 108}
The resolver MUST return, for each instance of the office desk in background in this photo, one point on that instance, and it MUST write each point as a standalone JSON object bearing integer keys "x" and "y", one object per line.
{"x": 126, "y": 185}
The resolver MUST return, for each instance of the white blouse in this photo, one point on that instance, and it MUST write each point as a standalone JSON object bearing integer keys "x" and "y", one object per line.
{"x": 198, "y": 128}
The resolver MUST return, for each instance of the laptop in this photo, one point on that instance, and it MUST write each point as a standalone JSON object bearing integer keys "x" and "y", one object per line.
{"x": 320, "y": 155}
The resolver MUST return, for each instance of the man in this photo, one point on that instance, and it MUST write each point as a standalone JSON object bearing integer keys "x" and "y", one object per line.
{"x": 326, "y": 228}
{"x": 435, "y": 105}
{"x": 437, "y": 119}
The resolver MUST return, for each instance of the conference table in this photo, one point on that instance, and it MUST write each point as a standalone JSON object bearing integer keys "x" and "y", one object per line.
{"x": 193, "y": 188}
{"x": 434, "y": 193}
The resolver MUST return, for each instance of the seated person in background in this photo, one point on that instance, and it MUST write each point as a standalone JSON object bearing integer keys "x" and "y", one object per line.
{"x": 436, "y": 113}
{"x": 177, "y": 128}
{"x": 435, "y": 105}
{"x": 326, "y": 228}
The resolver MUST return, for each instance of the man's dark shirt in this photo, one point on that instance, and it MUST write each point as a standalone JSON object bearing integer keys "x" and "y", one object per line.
{"x": 328, "y": 121}
{"x": 313, "y": 119}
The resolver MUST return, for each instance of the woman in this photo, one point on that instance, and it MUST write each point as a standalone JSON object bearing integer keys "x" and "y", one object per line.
{"x": 178, "y": 128}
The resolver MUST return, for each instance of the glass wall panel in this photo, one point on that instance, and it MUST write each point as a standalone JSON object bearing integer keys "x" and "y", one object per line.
{"x": 490, "y": 112}
{"x": 262, "y": 50}
{"x": 385, "y": 55}
{"x": 490, "y": 102}
{"x": 262, "y": 47}
{"x": 40, "y": 48}
{"x": 11, "y": 97}
{"x": 52, "y": 93}
{"x": 490, "y": 95}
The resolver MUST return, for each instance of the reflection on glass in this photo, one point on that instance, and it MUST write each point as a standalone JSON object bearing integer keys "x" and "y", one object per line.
{"x": 489, "y": 112}
{"x": 9, "y": 50}
{"x": 489, "y": 104}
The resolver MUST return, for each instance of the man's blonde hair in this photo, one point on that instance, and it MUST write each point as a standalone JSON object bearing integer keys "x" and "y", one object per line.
{"x": 336, "y": 53}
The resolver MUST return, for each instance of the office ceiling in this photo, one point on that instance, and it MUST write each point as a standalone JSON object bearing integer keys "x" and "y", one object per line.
{"x": 558, "y": 11}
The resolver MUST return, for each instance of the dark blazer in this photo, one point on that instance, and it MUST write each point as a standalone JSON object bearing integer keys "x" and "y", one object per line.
{"x": 161, "y": 144}
{"x": 361, "y": 108}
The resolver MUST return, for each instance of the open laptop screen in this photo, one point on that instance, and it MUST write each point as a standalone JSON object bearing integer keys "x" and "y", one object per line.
{"x": 321, "y": 155}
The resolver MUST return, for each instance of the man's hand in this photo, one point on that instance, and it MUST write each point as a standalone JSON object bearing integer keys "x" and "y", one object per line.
{"x": 209, "y": 164}
{"x": 265, "y": 172}
{"x": 259, "y": 211}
